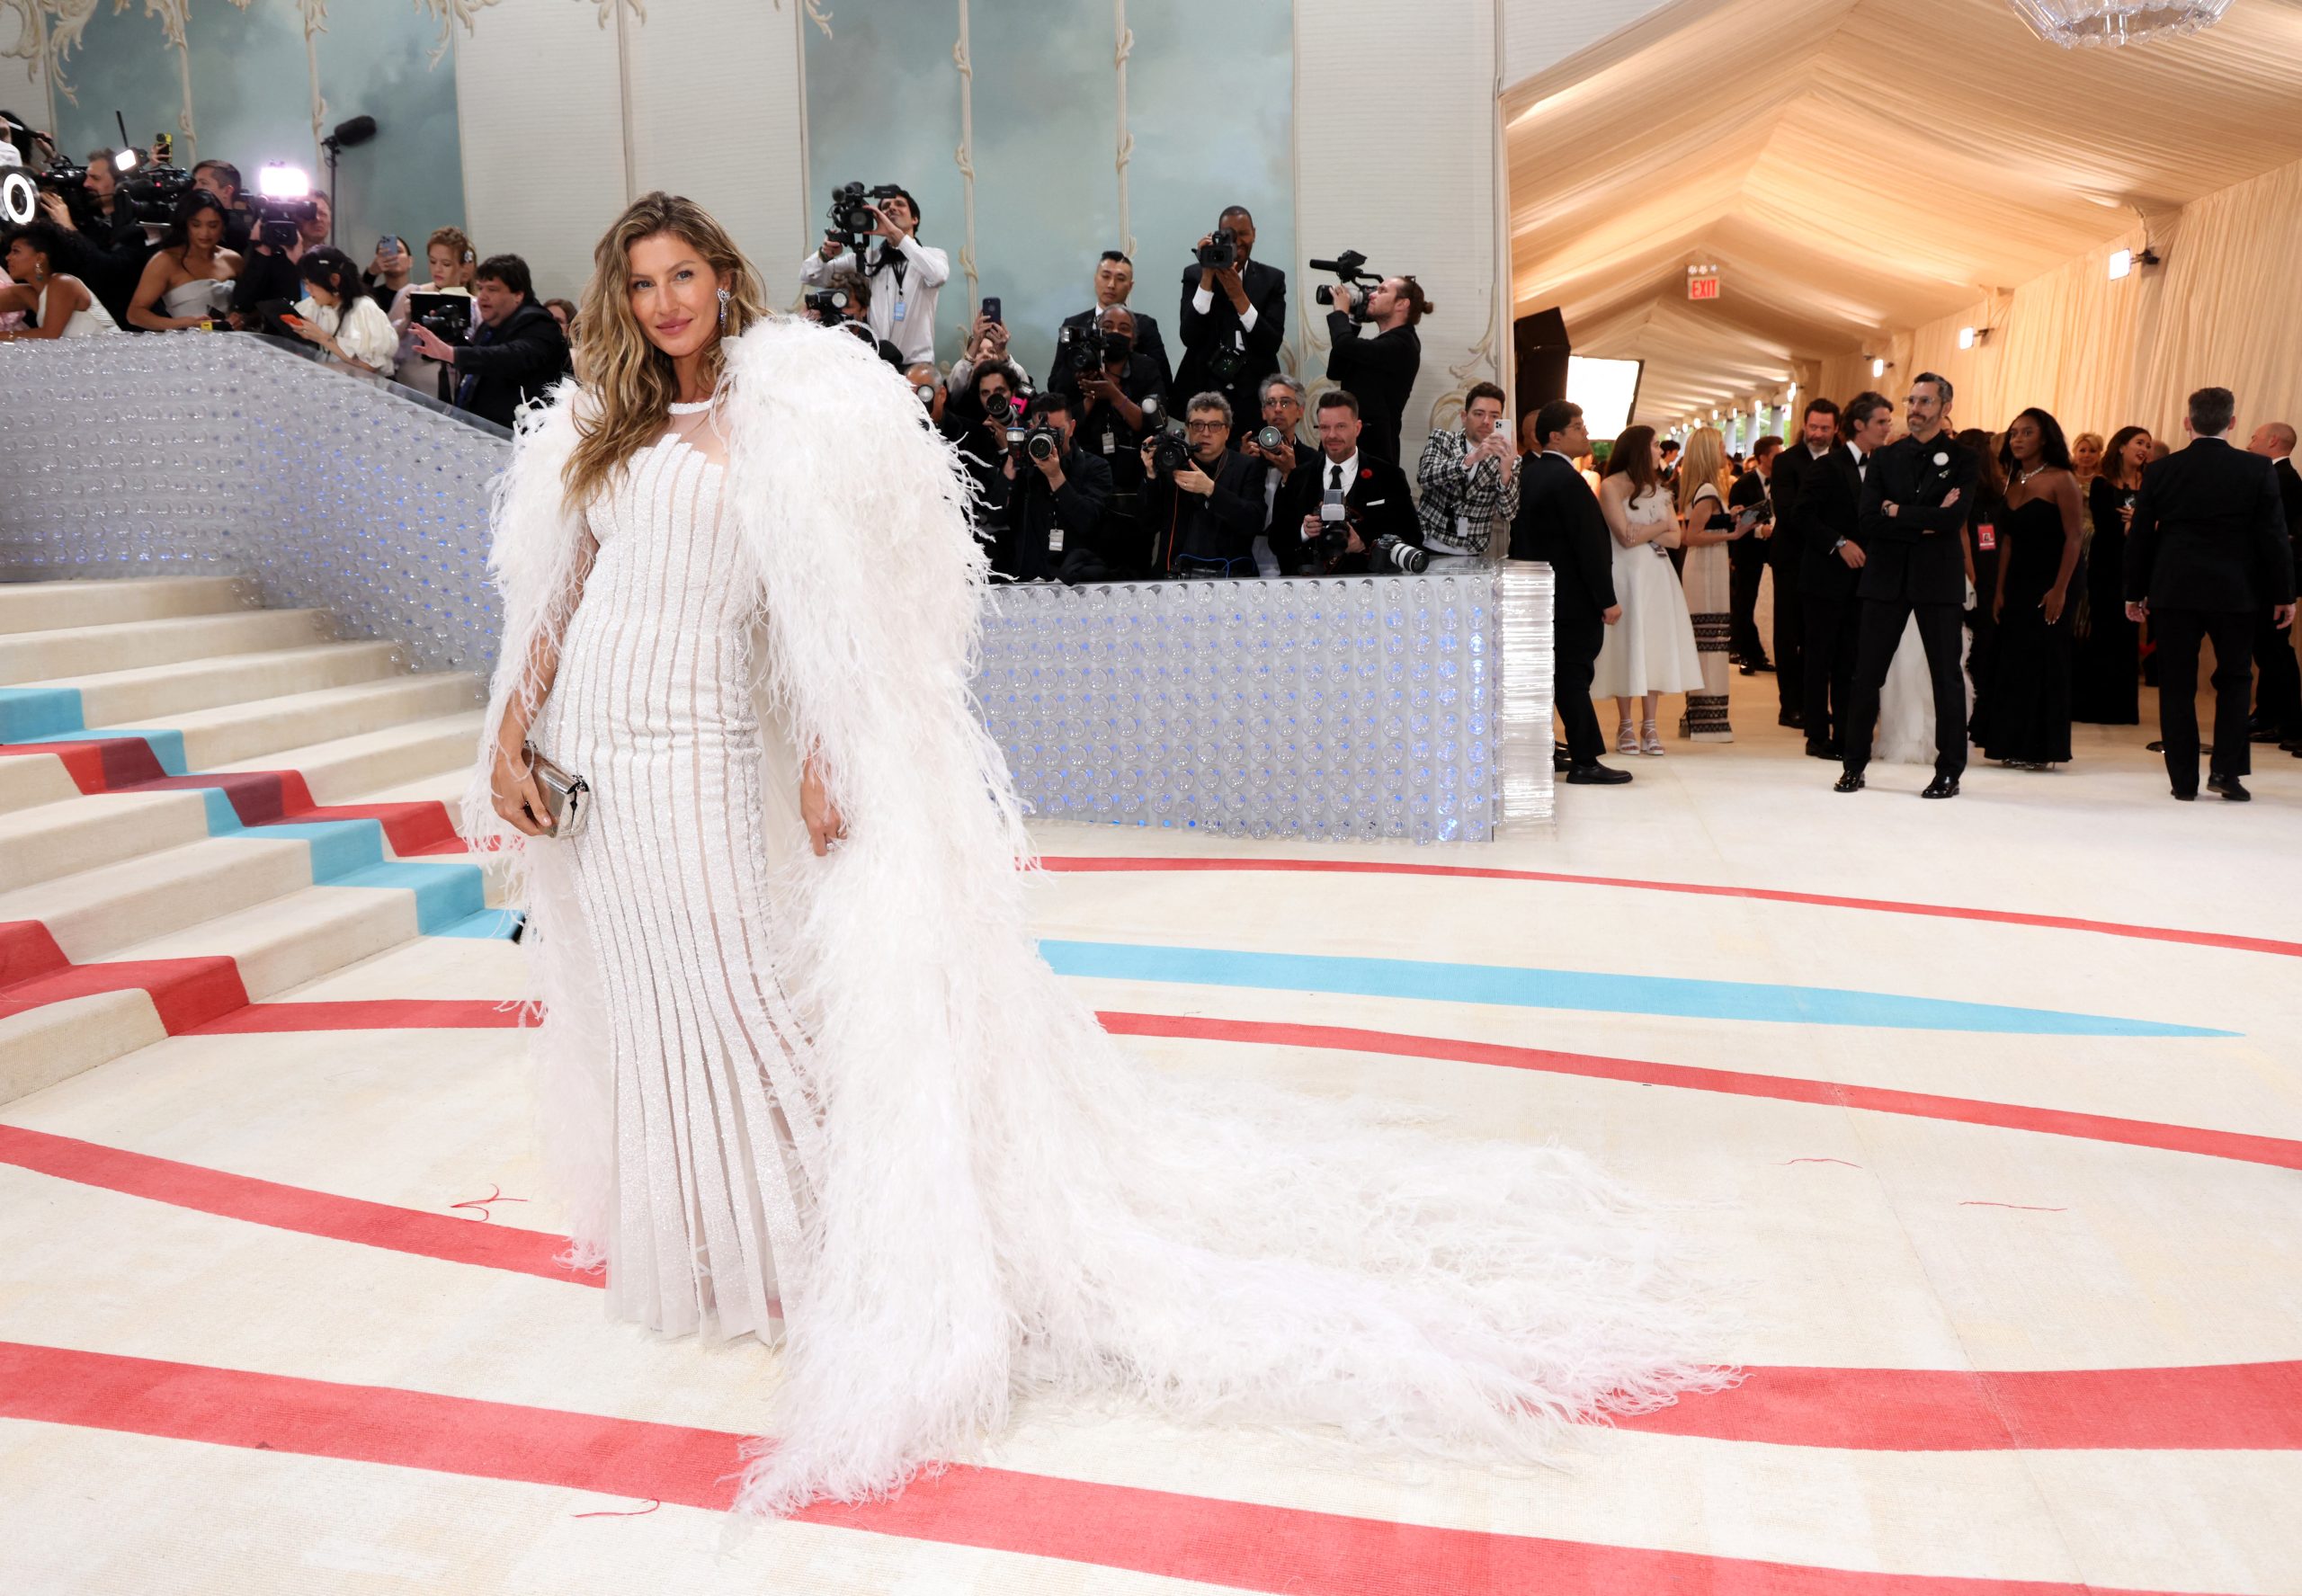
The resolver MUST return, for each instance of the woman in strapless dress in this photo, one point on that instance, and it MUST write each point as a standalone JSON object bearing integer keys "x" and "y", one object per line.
{"x": 180, "y": 286}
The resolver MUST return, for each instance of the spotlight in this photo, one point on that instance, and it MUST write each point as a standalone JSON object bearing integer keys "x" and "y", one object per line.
{"x": 1878, "y": 366}
{"x": 280, "y": 181}
{"x": 19, "y": 197}
{"x": 124, "y": 160}
{"x": 2121, "y": 263}
{"x": 1969, "y": 337}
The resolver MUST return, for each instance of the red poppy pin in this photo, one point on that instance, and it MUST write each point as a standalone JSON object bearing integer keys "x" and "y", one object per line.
{"x": 1365, "y": 474}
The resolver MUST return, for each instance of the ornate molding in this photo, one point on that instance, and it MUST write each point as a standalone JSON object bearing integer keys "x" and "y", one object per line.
{"x": 448, "y": 14}
{"x": 965, "y": 154}
{"x": 1124, "y": 46}
{"x": 51, "y": 30}
{"x": 1477, "y": 366}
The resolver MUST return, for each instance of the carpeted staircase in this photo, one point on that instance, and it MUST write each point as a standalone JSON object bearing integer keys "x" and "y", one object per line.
{"x": 204, "y": 805}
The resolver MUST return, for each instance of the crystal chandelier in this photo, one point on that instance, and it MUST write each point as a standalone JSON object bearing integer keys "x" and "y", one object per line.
{"x": 2068, "y": 23}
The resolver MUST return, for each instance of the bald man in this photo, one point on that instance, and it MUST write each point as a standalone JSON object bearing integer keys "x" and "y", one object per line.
{"x": 2278, "y": 689}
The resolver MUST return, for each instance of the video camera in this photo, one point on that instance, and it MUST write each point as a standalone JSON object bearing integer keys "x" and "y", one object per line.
{"x": 447, "y": 317}
{"x": 1350, "y": 295}
{"x": 854, "y": 213}
{"x": 1220, "y": 251}
{"x": 1085, "y": 351}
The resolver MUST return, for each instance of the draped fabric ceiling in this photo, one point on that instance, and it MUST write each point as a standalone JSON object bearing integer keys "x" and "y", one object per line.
{"x": 1858, "y": 168}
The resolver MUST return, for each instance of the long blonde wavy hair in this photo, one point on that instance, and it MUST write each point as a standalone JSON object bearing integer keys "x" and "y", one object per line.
{"x": 1705, "y": 457}
{"x": 628, "y": 381}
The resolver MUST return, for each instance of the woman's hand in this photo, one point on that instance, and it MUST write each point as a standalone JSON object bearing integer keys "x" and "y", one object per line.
{"x": 519, "y": 802}
{"x": 825, "y": 825}
{"x": 2052, "y": 605}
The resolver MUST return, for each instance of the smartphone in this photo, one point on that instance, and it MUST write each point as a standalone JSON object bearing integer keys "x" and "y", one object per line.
{"x": 991, "y": 310}
{"x": 391, "y": 242}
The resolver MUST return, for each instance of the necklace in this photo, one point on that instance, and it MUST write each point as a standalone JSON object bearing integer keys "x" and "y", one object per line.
{"x": 2021, "y": 477}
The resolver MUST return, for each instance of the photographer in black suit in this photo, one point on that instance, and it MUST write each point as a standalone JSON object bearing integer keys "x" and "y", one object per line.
{"x": 1047, "y": 498}
{"x": 1204, "y": 512}
{"x": 1234, "y": 317}
{"x": 2207, "y": 546}
{"x": 1916, "y": 496}
{"x": 516, "y": 352}
{"x": 1114, "y": 281}
{"x": 1116, "y": 402}
{"x": 1560, "y": 524}
{"x": 1379, "y": 370}
{"x": 1830, "y": 521}
{"x": 1378, "y": 515}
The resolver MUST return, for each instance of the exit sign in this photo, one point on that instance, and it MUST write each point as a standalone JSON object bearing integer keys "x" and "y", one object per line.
{"x": 1702, "y": 288}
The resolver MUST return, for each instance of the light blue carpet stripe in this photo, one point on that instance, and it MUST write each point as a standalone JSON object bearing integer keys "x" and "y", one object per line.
{"x": 38, "y": 714}
{"x": 1590, "y": 991}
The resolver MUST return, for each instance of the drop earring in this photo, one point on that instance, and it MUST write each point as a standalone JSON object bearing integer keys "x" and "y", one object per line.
{"x": 723, "y": 308}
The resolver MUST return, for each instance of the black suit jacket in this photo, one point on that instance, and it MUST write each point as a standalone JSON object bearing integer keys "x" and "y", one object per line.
{"x": 1560, "y": 523}
{"x": 2289, "y": 494}
{"x": 1379, "y": 501}
{"x": 1148, "y": 348}
{"x": 1205, "y": 337}
{"x": 1917, "y": 553}
{"x": 2209, "y": 532}
{"x": 1378, "y": 372}
{"x": 515, "y": 363}
{"x": 1190, "y": 531}
{"x": 1830, "y": 507}
{"x": 1786, "y": 549}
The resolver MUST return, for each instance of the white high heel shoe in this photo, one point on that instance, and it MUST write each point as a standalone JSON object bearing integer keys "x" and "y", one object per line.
{"x": 1650, "y": 741}
{"x": 1626, "y": 740}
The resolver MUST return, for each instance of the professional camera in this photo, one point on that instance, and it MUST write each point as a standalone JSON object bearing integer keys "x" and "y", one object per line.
{"x": 1085, "y": 351}
{"x": 853, "y": 215}
{"x": 447, "y": 316}
{"x": 1038, "y": 444}
{"x": 1220, "y": 251}
{"x": 1348, "y": 296}
{"x": 1332, "y": 540}
{"x": 1270, "y": 440}
{"x": 155, "y": 190}
{"x": 827, "y": 305}
{"x": 1397, "y": 553}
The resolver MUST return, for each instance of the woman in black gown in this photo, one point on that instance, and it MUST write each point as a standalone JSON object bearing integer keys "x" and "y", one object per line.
{"x": 1983, "y": 523}
{"x": 2038, "y": 540}
{"x": 2105, "y": 651}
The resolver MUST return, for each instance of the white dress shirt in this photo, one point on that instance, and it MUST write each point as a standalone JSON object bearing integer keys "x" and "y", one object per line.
{"x": 1203, "y": 301}
{"x": 903, "y": 313}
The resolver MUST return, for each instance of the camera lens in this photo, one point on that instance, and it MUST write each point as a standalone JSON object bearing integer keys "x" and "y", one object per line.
{"x": 1269, "y": 438}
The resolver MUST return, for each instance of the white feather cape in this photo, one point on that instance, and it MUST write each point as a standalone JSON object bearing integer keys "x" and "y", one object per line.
{"x": 1013, "y": 1206}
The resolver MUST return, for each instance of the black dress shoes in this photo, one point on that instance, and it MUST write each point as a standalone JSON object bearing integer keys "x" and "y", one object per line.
{"x": 2229, "y": 787}
{"x": 1848, "y": 782}
{"x": 2188, "y": 797}
{"x": 1761, "y": 665}
{"x": 1823, "y": 751}
{"x": 1790, "y": 718}
{"x": 1942, "y": 787}
{"x": 1595, "y": 774}
{"x": 1561, "y": 762}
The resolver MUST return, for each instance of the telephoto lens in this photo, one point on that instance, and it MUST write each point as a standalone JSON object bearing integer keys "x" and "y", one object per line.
{"x": 1399, "y": 555}
{"x": 1271, "y": 439}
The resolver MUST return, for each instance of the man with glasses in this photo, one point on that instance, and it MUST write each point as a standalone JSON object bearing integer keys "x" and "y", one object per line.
{"x": 1203, "y": 514}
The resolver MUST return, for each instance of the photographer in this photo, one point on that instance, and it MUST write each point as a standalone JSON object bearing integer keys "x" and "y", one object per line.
{"x": 270, "y": 272}
{"x": 1469, "y": 477}
{"x": 516, "y": 352}
{"x": 904, "y": 273}
{"x": 1279, "y": 446}
{"x": 452, "y": 259}
{"x": 337, "y": 315}
{"x": 1376, "y": 517}
{"x": 1380, "y": 371}
{"x": 975, "y": 419}
{"x": 846, "y": 300}
{"x": 1115, "y": 401}
{"x": 1046, "y": 500}
{"x": 103, "y": 242}
{"x": 1204, "y": 510}
{"x": 1114, "y": 281}
{"x": 1233, "y": 316}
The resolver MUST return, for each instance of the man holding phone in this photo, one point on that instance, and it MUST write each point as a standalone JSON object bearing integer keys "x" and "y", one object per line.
{"x": 905, "y": 274}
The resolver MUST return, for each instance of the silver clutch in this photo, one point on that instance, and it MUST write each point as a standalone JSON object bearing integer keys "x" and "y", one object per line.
{"x": 567, "y": 797}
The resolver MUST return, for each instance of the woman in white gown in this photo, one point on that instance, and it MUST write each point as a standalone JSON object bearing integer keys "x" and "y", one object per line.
{"x": 188, "y": 281}
{"x": 59, "y": 304}
{"x": 806, "y": 1075}
{"x": 1650, "y": 651}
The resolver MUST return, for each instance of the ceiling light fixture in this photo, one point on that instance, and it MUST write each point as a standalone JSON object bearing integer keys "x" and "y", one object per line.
{"x": 2122, "y": 262}
{"x": 1970, "y": 336}
{"x": 1878, "y": 365}
{"x": 2073, "y": 24}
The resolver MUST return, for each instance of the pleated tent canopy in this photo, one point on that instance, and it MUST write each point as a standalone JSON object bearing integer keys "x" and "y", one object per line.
{"x": 1856, "y": 168}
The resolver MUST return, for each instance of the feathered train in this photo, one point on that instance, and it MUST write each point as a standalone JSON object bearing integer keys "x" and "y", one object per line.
{"x": 1004, "y": 1202}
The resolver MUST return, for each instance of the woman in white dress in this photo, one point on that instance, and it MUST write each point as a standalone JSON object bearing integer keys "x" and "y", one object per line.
{"x": 338, "y": 315}
{"x": 806, "y": 1075}
{"x": 59, "y": 304}
{"x": 187, "y": 282}
{"x": 1651, "y": 650}
{"x": 1707, "y": 527}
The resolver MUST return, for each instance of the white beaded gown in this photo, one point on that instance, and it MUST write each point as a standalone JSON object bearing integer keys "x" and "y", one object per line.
{"x": 842, "y": 1105}
{"x": 652, "y": 705}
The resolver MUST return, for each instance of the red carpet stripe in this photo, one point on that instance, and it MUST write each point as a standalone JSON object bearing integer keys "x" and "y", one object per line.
{"x": 2238, "y": 1145}
{"x": 1083, "y": 864}
{"x": 2252, "y": 1406}
{"x": 186, "y": 993}
{"x": 392, "y": 1013}
{"x": 1244, "y": 1546}
{"x": 290, "y": 1208}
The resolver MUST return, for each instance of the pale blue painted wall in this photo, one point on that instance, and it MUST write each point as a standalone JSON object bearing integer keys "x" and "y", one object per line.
{"x": 1210, "y": 102}
{"x": 251, "y": 95}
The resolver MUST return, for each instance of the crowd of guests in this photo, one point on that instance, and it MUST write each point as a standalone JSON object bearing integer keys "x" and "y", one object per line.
{"x": 88, "y": 266}
{"x": 1930, "y": 587}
